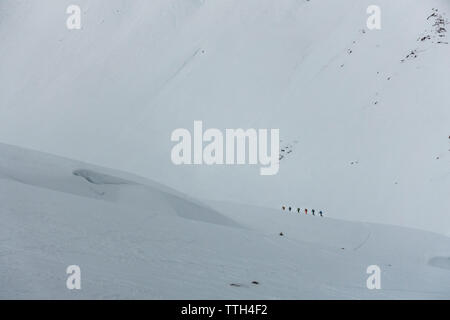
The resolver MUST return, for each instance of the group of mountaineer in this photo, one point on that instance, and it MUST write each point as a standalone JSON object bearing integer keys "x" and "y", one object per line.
{"x": 306, "y": 210}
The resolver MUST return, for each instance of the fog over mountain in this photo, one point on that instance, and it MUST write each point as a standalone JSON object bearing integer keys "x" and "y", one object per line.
{"x": 87, "y": 177}
{"x": 365, "y": 111}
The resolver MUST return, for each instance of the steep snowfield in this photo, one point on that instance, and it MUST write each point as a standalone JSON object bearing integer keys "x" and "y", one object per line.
{"x": 371, "y": 119}
{"x": 134, "y": 238}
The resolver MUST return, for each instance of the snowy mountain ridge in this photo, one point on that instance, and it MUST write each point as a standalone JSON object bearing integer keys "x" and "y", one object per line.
{"x": 87, "y": 178}
{"x": 368, "y": 108}
{"x": 133, "y": 238}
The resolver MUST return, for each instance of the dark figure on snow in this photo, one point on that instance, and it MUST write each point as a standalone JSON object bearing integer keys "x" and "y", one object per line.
{"x": 313, "y": 211}
{"x": 298, "y": 210}
{"x": 289, "y": 208}
{"x": 283, "y": 207}
{"x": 306, "y": 211}
{"x": 321, "y": 213}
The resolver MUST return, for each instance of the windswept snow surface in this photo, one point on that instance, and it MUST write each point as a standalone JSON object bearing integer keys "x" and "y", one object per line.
{"x": 133, "y": 238}
{"x": 369, "y": 109}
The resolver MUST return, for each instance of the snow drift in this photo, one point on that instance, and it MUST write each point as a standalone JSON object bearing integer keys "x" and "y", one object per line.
{"x": 134, "y": 238}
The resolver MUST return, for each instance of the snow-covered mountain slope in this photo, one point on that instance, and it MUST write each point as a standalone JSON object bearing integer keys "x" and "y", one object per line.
{"x": 368, "y": 109}
{"x": 133, "y": 238}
